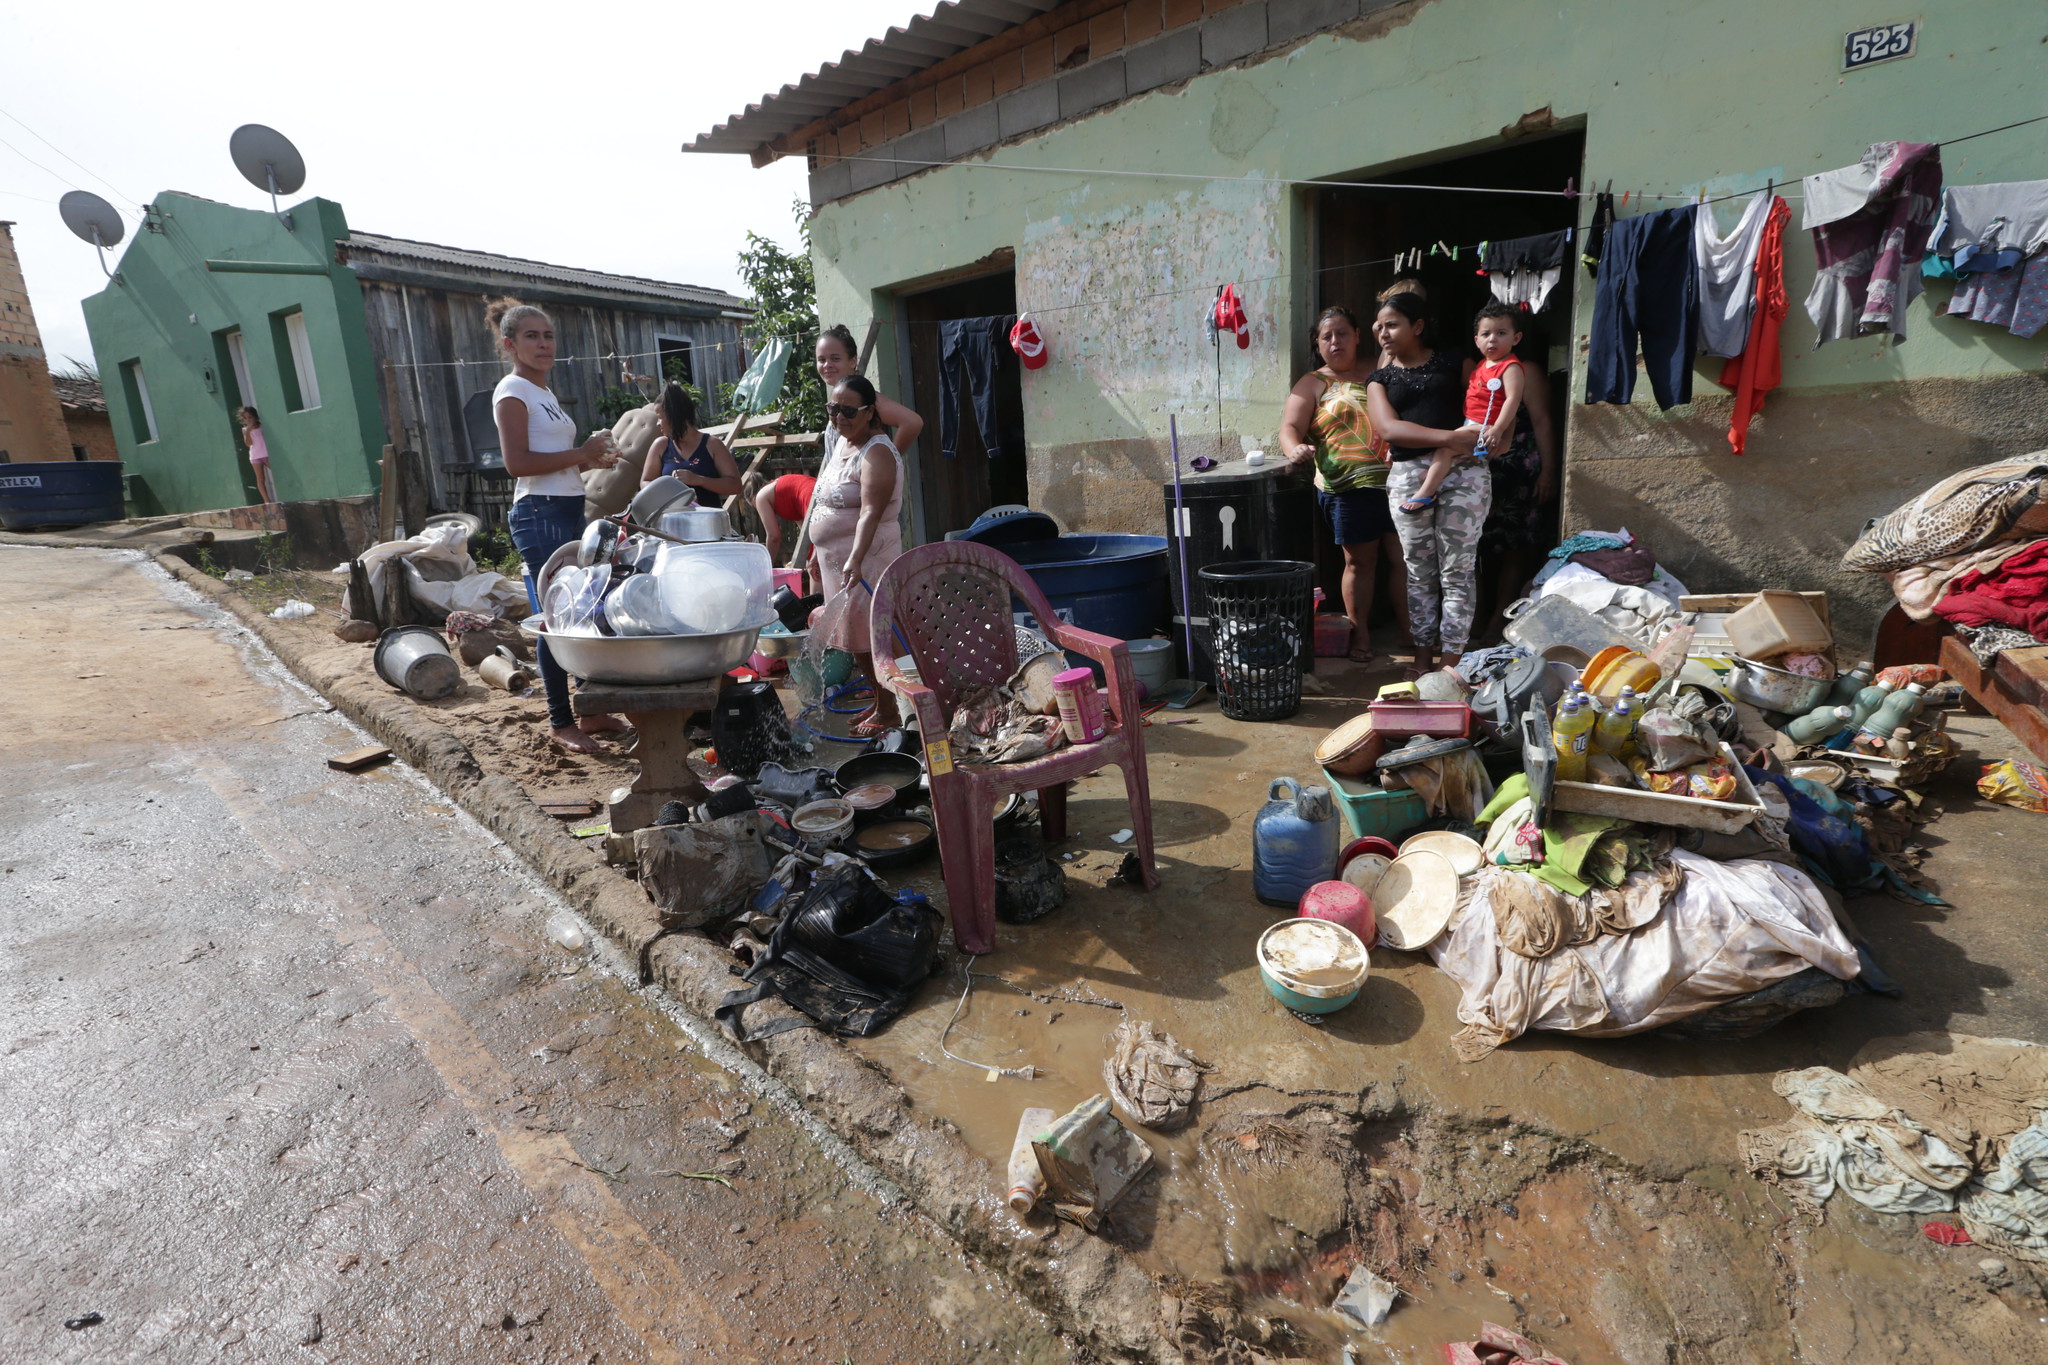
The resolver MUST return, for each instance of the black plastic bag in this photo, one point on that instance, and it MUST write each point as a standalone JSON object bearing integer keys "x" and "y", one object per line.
{"x": 847, "y": 958}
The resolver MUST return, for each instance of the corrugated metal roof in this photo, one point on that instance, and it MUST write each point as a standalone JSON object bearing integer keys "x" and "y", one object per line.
{"x": 924, "y": 42}
{"x": 480, "y": 262}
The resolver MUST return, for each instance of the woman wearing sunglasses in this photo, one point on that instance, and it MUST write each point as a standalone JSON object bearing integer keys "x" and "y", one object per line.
{"x": 855, "y": 530}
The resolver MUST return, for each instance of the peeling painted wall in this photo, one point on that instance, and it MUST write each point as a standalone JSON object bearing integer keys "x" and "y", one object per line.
{"x": 1675, "y": 97}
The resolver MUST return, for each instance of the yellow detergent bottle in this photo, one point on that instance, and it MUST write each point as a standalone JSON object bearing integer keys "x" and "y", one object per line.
{"x": 1571, "y": 735}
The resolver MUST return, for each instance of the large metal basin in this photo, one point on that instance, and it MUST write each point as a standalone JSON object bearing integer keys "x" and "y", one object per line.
{"x": 643, "y": 660}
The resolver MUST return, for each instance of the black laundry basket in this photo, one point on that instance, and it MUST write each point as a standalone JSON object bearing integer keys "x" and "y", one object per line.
{"x": 1258, "y": 635}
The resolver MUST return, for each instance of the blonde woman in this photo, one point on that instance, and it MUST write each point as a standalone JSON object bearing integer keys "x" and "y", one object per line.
{"x": 539, "y": 444}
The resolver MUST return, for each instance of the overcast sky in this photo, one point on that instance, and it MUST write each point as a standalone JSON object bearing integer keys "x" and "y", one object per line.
{"x": 549, "y": 131}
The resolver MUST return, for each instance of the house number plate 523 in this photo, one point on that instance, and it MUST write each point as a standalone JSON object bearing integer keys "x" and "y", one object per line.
{"x": 1886, "y": 42}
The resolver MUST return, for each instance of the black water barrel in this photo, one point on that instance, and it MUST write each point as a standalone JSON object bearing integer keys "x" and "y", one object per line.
{"x": 70, "y": 493}
{"x": 1230, "y": 514}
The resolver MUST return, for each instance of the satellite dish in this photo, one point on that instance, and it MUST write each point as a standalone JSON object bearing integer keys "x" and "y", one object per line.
{"x": 93, "y": 219}
{"x": 267, "y": 160}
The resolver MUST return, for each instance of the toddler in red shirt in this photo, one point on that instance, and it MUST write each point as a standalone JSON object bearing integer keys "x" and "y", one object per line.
{"x": 1493, "y": 395}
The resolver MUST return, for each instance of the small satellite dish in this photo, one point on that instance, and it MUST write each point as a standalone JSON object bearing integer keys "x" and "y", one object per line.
{"x": 267, "y": 160}
{"x": 93, "y": 219}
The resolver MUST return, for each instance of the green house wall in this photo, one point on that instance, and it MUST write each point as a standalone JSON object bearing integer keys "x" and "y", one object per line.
{"x": 1673, "y": 96}
{"x": 167, "y": 310}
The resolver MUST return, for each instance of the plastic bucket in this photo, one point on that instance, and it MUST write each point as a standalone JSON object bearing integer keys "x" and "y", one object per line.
{"x": 1152, "y": 662}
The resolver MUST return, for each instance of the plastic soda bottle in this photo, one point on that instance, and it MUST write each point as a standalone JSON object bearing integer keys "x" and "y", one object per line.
{"x": 1849, "y": 685}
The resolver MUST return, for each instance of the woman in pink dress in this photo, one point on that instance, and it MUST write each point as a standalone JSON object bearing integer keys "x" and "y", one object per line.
{"x": 856, "y": 531}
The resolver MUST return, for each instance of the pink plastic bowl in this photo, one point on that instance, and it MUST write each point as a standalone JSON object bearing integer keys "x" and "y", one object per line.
{"x": 1341, "y": 903}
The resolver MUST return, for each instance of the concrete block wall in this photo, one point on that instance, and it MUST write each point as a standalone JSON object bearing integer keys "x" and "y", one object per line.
{"x": 1070, "y": 62}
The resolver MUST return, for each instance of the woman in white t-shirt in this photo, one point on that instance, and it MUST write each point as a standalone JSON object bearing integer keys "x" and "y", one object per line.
{"x": 539, "y": 444}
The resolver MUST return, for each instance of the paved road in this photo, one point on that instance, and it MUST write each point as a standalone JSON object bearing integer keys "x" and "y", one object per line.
{"x": 293, "y": 1073}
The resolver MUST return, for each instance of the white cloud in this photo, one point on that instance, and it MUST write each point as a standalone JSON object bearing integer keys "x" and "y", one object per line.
{"x": 550, "y": 131}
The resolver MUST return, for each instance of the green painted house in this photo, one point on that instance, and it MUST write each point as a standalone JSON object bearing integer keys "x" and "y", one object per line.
{"x": 1107, "y": 164}
{"x": 213, "y": 307}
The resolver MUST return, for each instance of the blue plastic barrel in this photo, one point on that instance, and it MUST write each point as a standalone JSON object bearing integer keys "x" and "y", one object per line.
{"x": 68, "y": 493}
{"x": 1114, "y": 585}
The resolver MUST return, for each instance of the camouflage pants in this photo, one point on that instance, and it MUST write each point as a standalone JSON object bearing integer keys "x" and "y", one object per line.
{"x": 1441, "y": 547}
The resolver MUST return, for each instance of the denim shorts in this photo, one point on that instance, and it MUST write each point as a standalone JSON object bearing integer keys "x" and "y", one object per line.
{"x": 1358, "y": 516}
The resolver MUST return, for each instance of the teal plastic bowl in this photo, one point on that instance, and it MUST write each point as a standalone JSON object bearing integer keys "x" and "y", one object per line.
{"x": 1316, "y": 966}
{"x": 1307, "y": 1004}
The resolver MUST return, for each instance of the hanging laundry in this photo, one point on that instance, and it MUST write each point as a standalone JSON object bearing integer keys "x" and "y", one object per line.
{"x": 1758, "y": 369}
{"x": 1870, "y": 225}
{"x": 2018, "y": 207}
{"x": 1727, "y": 267}
{"x": 971, "y": 344}
{"x": 1523, "y": 270}
{"x": 2015, "y": 298}
{"x": 1596, "y": 233}
{"x": 1648, "y": 289}
{"x": 1029, "y": 343}
{"x": 1229, "y": 317}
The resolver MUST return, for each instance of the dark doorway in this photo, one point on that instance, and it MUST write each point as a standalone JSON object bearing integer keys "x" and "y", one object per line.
{"x": 952, "y": 493}
{"x": 1360, "y": 230}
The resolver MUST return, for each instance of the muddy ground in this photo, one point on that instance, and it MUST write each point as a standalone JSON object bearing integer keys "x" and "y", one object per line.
{"x": 1588, "y": 1192}
{"x": 293, "y": 1071}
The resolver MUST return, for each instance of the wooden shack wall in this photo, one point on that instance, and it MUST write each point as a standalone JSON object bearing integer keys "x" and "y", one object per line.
{"x": 432, "y": 351}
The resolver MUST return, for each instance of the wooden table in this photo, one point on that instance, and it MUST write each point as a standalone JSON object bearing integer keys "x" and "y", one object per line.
{"x": 661, "y": 715}
{"x": 2014, "y": 689}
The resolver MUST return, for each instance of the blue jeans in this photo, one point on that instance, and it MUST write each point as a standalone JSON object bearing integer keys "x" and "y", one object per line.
{"x": 1647, "y": 290}
{"x": 540, "y": 526}
{"x": 977, "y": 344}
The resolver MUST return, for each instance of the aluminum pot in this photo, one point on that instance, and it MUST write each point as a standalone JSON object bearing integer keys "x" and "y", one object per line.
{"x": 660, "y": 495}
{"x": 415, "y": 659}
{"x": 1774, "y": 689}
{"x": 693, "y": 523}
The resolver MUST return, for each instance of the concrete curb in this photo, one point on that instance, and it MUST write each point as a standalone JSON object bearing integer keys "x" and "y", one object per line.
{"x": 1089, "y": 1287}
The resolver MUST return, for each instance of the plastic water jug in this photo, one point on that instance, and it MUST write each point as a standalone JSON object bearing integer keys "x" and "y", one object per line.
{"x": 1294, "y": 842}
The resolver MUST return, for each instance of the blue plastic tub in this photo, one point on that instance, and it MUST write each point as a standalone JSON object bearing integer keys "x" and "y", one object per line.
{"x": 1114, "y": 585}
{"x": 70, "y": 493}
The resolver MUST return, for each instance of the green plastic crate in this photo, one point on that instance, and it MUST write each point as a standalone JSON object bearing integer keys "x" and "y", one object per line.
{"x": 1375, "y": 810}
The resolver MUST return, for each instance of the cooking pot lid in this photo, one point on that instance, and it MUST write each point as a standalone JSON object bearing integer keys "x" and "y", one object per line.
{"x": 1414, "y": 900}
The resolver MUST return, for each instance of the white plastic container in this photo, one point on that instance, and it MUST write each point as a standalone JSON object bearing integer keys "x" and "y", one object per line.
{"x": 711, "y": 588}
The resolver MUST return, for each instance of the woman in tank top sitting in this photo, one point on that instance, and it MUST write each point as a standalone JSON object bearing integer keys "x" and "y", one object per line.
{"x": 708, "y": 466}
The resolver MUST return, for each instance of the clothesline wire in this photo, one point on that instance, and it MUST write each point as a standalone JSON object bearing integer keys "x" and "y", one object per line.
{"x": 1103, "y": 300}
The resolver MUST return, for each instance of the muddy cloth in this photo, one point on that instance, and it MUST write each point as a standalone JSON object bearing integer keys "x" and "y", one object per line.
{"x": 1732, "y": 928}
{"x": 2014, "y": 594}
{"x": 1923, "y": 1123}
{"x": 1151, "y": 1077}
{"x": 847, "y": 957}
{"x": 1965, "y": 511}
{"x": 1498, "y": 1345}
{"x": 1870, "y": 225}
{"x": 1533, "y": 919}
{"x": 991, "y": 726}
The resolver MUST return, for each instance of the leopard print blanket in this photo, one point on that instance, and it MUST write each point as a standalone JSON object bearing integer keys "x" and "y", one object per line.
{"x": 1963, "y": 511}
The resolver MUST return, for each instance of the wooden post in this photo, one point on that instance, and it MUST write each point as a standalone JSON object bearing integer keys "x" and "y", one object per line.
{"x": 867, "y": 347}
{"x": 387, "y": 499}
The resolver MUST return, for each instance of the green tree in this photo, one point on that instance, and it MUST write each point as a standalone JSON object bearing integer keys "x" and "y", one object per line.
{"x": 784, "y": 295}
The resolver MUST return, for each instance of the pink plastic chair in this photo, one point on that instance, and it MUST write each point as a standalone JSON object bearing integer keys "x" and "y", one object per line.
{"x": 947, "y": 605}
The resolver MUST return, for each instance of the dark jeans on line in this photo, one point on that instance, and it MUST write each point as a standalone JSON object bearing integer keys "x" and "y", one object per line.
{"x": 540, "y": 526}
{"x": 1646, "y": 289}
{"x": 977, "y": 344}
